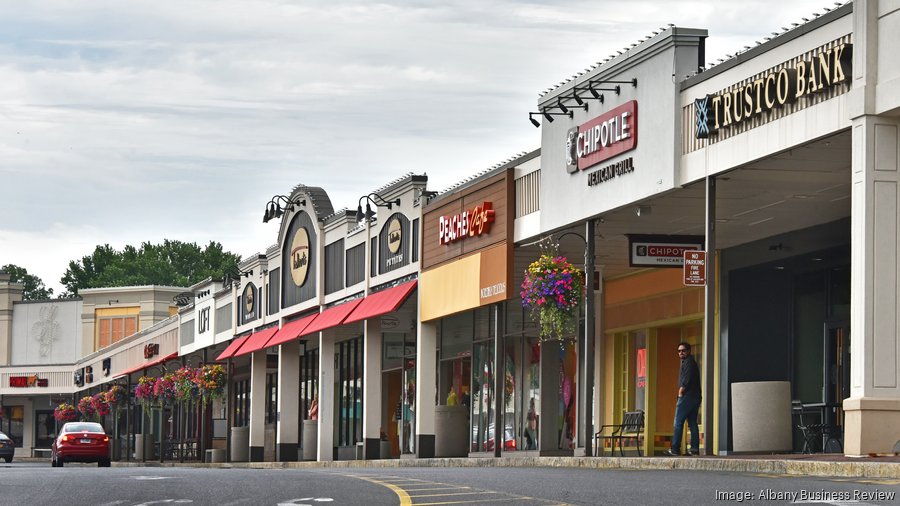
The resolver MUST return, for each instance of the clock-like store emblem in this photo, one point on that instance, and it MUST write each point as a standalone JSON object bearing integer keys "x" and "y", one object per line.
{"x": 249, "y": 298}
{"x": 300, "y": 256}
{"x": 395, "y": 236}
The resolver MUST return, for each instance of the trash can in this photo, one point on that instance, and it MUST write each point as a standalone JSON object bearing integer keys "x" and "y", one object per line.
{"x": 240, "y": 444}
{"x": 450, "y": 431}
{"x": 215, "y": 455}
{"x": 761, "y": 416}
{"x": 144, "y": 447}
{"x": 310, "y": 439}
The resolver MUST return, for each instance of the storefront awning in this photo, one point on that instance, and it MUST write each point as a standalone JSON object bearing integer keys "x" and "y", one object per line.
{"x": 233, "y": 347}
{"x": 291, "y": 330}
{"x": 331, "y": 317}
{"x": 382, "y": 302}
{"x": 148, "y": 364}
{"x": 256, "y": 341}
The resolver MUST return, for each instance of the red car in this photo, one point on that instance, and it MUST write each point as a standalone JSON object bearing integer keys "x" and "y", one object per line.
{"x": 80, "y": 442}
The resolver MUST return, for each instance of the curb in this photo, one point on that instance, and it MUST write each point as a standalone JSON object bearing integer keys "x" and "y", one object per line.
{"x": 758, "y": 466}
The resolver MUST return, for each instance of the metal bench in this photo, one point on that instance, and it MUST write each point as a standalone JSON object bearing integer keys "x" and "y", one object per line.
{"x": 631, "y": 429}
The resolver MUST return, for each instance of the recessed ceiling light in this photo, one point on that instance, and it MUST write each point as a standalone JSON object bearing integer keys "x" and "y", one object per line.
{"x": 779, "y": 267}
{"x": 816, "y": 259}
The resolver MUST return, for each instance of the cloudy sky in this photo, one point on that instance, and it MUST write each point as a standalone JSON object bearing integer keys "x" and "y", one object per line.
{"x": 123, "y": 122}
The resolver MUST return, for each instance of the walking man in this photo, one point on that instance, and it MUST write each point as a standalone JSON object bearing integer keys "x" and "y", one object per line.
{"x": 688, "y": 405}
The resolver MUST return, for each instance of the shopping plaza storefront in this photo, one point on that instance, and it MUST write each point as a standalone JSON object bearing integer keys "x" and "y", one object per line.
{"x": 402, "y": 324}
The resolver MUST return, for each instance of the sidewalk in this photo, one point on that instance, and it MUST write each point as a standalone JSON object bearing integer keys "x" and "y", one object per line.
{"x": 830, "y": 465}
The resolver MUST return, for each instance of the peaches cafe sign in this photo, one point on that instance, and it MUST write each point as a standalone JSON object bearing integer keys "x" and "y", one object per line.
{"x": 471, "y": 223}
{"x": 773, "y": 89}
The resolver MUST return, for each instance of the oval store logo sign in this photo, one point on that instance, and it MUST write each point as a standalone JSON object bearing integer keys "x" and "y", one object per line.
{"x": 395, "y": 236}
{"x": 300, "y": 256}
{"x": 602, "y": 138}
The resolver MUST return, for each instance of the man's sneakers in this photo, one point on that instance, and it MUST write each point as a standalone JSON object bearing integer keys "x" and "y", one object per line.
{"x": 672, "y": 453}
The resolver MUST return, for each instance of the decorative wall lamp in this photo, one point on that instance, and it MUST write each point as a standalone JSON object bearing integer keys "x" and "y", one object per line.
{"x": 376, "y": 199}
{"x": 274, "y": 208}
{"x": 547, "y": 115}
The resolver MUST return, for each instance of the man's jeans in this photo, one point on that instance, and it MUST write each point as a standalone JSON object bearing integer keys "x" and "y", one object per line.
{"x": 686, "y": 409}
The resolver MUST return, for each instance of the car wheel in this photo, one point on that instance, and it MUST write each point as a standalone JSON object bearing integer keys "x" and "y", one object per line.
{"x": 103, "y": 463}
{"x": 8, "y": 459}
{"x": 59, "y": 462}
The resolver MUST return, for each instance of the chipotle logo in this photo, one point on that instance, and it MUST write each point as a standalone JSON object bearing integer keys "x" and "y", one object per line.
{"x": 602, "y": 138}
{"x": 471, "y": 223}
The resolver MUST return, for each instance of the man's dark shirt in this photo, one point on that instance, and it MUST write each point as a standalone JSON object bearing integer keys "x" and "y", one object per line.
{"x": 689, "y": 378}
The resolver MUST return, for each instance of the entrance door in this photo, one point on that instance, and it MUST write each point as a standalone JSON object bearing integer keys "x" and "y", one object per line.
{"x": 836, "y": 369}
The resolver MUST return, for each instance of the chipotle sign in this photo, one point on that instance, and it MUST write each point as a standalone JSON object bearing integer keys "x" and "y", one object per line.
{"x": 602, "y": 138}
{"x": 470, "y": 223}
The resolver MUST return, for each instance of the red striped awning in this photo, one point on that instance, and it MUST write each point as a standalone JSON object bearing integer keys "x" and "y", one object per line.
{"x": 331, "y": 317}
{"x": 292, "y": 330}
{"x": 149, "y": 364}
{"x": 233, "y": 347}
{"x": 382, "y": 302}
{"x": 256, "y": 341}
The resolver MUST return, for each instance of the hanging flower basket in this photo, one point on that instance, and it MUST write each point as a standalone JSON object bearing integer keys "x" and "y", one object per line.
{"x": 101, "y": 407}
{"x": 116, "y": 396}
{"x": 211, "y": 382}
{"x": 553, "y": 289}
{"x": 143, "y": 392}
{"x": 164, "y": 389}
{"x": 185, "y": 384}
{"x": 65, "y": 412}
{"x": 86, "y": 408}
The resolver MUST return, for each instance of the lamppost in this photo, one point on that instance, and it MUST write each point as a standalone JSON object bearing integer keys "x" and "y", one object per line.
{"x": 587, "y": 344}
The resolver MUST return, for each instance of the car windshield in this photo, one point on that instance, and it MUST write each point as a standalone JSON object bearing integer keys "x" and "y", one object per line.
{"x": 83, "y": 427}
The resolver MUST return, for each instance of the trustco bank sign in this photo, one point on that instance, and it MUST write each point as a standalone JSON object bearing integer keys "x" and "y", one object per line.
{"x": 606, "y": 136}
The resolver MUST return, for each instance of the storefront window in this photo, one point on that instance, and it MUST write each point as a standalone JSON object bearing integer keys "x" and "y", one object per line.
{"x": 348, "y": 388}
{"x": 12, "y": 423}
{"x": 483, "y": 396}
{"x": 44, "y": 429}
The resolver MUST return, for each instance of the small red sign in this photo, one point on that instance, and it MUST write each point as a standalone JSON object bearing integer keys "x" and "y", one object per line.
{"x": 694, "y": 268}
{"x": 27, "y": 381}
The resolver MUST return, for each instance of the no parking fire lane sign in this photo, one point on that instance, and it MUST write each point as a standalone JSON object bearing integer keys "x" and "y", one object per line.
{"x": 694, "y": 268}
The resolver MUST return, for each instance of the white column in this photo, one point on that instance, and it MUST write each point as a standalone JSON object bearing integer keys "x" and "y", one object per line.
{"x": 372, "y": 416}
{"x": 287, "y": 435}
{"x": 326, "y": 398}
{"x": 872, "y": 412}
{"x": 426, "y": 387}
{"x": 257, "y": 405}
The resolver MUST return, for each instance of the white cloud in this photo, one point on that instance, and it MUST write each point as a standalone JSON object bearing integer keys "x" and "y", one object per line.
{"x": 122, "y": 122}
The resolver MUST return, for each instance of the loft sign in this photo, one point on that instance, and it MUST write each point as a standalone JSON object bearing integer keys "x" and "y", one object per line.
{"x": 471, "y": 223}
{"x": 775, "y": 88}
{"x": 606, "y": 136}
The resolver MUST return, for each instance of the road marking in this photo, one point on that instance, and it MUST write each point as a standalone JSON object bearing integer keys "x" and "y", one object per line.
{"x": 151, "y": 477}
{"x": 407, "y": 488}
{"x": 303, "y": 501}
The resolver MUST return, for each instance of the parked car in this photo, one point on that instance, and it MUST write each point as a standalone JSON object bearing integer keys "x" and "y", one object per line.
{"x": 80, "y": 442}
{"x": 7, "y": 447}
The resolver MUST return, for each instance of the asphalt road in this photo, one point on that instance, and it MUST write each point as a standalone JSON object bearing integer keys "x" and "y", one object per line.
{"x": 35, "y": 484}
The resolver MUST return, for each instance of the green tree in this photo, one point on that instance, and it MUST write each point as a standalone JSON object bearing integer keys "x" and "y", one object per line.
{"x": 34, "y": 286}
{"x": 172, "y": 263}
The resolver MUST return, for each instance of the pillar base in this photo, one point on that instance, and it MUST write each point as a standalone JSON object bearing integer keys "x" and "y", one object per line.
{"x": 257, "y": 454}
{"x": 425, "y": 446}
{"x": 372, "y": 448}
{"x": 871, "y": 425}
{"x": 286, "y": 452}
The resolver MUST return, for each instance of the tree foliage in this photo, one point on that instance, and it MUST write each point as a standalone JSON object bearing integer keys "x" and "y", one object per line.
{"x": 34, "y": 286}
{"x": 172, "y": 263}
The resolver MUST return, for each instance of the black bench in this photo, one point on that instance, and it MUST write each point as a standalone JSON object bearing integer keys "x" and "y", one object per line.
{"x": 631, "y": 429}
